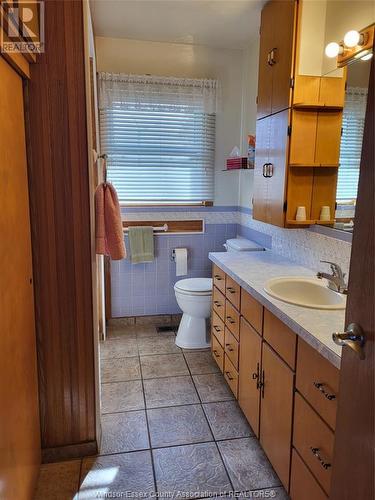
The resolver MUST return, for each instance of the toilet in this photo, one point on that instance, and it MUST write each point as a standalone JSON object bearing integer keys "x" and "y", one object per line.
{"x": 194, "y": 295}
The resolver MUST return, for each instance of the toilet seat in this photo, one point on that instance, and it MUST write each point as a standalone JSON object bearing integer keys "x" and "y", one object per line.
{"x": 194, "y": 286}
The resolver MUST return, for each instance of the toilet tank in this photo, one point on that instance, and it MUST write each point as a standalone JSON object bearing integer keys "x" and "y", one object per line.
{"x": 242, "y": 245}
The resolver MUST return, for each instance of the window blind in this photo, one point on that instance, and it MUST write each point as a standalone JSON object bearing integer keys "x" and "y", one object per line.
{"x": 351, "y": 143}
{"x": 159, "y": 150}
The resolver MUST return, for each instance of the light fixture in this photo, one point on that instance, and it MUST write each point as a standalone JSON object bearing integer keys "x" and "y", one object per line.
{"x": 367, "y": 57}
{"x": 333, "y": 49}
{"x": 352, "y": 38}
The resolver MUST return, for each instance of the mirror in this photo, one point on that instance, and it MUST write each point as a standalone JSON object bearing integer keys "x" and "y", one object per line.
{"x": 323, "y": 22}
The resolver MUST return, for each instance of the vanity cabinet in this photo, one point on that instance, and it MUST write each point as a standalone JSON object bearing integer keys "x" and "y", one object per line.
{"x": 287, "y": 391}
{"x": 298, "y": 127}
{"x": 278, "y": 22}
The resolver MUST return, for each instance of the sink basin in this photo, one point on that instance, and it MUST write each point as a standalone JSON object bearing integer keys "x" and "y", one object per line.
{"x": 306, "y": 292}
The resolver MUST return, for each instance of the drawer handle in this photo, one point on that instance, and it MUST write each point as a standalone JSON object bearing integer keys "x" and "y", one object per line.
{"x": 316, "y": 453}
{"x": 218, "y": 277}
{"x": 217, "y": 329}
{"x": 229, "y": 375}
{"x": 231, "y": 320}
{"x": 217, "y": 303}
{"x": 230, "y": 349}
{"x": 326, "y": 394}
{"x": 217, "y": 355}
{"x": 231, "y": 290}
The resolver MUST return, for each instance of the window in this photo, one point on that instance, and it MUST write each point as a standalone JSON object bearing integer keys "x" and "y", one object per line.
{"x": 353, "y": 124}
{"x": 159, "y": 136}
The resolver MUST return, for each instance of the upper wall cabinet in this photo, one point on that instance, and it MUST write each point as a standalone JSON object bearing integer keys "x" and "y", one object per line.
{"x": 276, "y": 56}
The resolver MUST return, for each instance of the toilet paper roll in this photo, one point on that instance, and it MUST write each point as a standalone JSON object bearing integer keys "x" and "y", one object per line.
{"x": 181, "y": 261}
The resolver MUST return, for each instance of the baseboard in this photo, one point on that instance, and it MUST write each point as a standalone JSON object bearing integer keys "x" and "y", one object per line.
{"x": 60, "y": 453}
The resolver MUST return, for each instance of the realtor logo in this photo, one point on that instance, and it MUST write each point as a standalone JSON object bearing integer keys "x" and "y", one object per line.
{"x": 22, "y": 26}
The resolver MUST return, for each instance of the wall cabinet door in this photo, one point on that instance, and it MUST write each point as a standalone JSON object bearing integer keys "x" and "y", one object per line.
{"x": 276, "y": 412}
{"x": 276, "y": 56}
{"x": 249, "y": 374}
{"x": 271, "y": 168}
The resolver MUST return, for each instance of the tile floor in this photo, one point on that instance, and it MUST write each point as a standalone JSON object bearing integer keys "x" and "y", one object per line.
{"x": 170, "y": 427}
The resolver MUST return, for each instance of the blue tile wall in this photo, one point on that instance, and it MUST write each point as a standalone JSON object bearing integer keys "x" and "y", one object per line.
{"x": 147, "y": 289}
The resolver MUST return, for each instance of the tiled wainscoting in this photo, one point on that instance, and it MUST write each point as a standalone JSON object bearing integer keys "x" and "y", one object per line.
{"x": 147, "y": 289}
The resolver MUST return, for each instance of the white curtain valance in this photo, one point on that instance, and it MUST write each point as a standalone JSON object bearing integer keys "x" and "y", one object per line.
{"x": 121, "y": 90}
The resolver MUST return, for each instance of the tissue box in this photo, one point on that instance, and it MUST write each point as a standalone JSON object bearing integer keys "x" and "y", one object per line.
{"x": 236, "y": 163}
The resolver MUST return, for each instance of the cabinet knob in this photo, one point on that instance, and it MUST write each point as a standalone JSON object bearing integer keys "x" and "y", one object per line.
{"x": 229, "y": 375}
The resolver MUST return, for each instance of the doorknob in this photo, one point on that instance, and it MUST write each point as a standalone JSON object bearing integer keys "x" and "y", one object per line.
{"x": 353, "y": 337}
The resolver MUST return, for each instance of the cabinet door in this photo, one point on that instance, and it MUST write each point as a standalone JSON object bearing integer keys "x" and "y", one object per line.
{"x": 264, "y": 101}
{"x": 284, "y": 21}
{"x": 249, "y": 369}
{"x": 261, "y": 158}
{"x": 278, "y": 158}
{"x": 276, "y": 412}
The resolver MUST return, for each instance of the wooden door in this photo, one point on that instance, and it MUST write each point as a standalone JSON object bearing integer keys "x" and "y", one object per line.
{"x": 250, "y": 370}
{"x": 264, "y": 100}
{"x": 276, "y": 412}
{"x": 278, "y": 157}
{"x": 283, "y": 28}
{"x": 19, "y": 415}
{"x": 353, "y": 471}
{"x": 261, "y": 158}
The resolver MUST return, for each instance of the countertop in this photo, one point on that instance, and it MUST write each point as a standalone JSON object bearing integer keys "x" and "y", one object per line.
{"x": 251, "y": 270}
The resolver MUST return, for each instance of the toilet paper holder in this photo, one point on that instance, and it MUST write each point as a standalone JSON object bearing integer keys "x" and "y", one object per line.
{"x": 173, "y": 255}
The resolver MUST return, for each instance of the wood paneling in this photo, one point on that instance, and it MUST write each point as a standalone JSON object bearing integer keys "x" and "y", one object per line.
{"x": 59, "y": 192}
{"x": 276, "y": 412}
{"x": 252, "y": 311}
{"x": 19, "y": 408}
{"x": 303, "y": 485}
{"x": 280, "y": 338}
{"x": 174, "y": 226}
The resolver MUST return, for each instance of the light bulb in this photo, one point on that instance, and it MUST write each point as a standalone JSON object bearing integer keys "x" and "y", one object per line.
{"x": 367, "y": 57}
{"x": 352, "y": 38}
{"x": 332, "y": 49}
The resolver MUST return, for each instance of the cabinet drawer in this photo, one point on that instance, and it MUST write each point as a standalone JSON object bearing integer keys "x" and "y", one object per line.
{"x": 217, "y": 328}
{"x": 318, "y": 381}
{"x": 231, "y": 375}
{"x": 280, "y": 337}
{"x": 252, "y": 311}
{"x": 314, "y": 441}
{"x": 232, "y": 319}
{"x": 233, "y": 292}
{"x": 231, "y": 348}
{"x": 218, "y": 278}
{"x": 303, "y": 485}
{"x": 217, "y": 353}
{"x": 218, "y": 303}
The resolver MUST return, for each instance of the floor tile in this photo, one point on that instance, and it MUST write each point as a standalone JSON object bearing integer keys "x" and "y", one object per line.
{"x": 128, "y": 474}
{"x": 58, "y": 481}
{"x": 118, "y": 348}
{"x": 123, "y": 432}
{"x": 122, "y": 396}
{"x": 121, "y": 333}
{"x": 212, "y": 388}
{"x": 247, "y": 464}
{"x": 147, "y": 331}
{"x": 120, "y": 369}
{"x": 148, "y": 346}
{"x": 169, "y": 392}
{"x": 227, "y": 420}
{"x": 201, "y": 362}
{"x": 194, "y": 471}
{"x": 163, "y": 365}
{"x": 179, "y": 425}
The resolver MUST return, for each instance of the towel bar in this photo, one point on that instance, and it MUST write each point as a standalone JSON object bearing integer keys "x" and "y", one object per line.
{"x": 158, "y": 228}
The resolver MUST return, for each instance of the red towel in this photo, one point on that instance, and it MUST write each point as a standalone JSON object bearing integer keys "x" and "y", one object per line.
{"x": 108, "y": 225}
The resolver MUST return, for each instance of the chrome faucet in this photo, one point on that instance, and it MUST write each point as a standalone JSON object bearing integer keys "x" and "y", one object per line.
{"x": 336, "y": 281}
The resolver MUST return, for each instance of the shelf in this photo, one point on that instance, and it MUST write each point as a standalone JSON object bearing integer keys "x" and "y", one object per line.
{"x": 314, "y": 165}
{"x": 294, "y": 222}
{"x": 301, "y": 106}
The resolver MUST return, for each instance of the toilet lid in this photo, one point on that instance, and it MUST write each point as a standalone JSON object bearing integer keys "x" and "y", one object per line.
{"x": 195, "y": 285}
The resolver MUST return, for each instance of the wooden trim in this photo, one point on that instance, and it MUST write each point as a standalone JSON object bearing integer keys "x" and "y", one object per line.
{"x": 107, "y": 288}
{"x": 174, "y": 226}
{"x": 68, "y": 452}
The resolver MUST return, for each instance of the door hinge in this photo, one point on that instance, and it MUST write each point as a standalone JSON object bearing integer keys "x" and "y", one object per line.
{"x": 289, "y": 130}
{"x": 285, "y": 206}
{"x": 292, "y": 83}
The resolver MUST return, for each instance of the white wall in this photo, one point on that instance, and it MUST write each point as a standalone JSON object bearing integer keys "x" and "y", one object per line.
{"x": 190, "y": 61}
